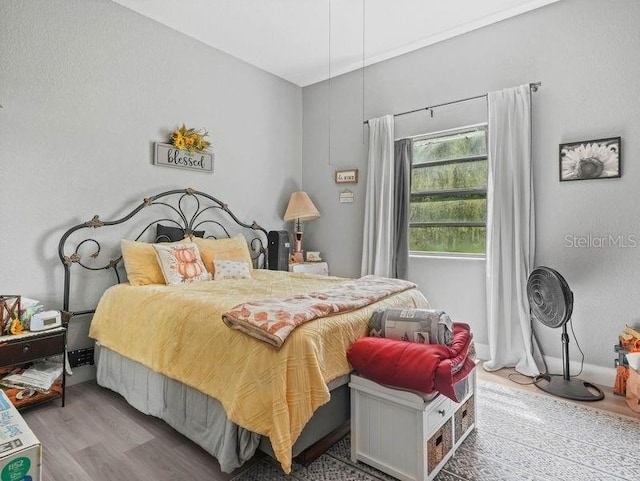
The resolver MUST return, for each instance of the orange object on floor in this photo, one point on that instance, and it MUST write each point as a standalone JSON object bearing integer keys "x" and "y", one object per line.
{"x": 633, "y": 390}
{"x": 620, "y": 386}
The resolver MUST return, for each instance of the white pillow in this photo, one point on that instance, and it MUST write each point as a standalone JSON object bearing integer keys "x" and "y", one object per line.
{"x": 181, "y": 263}
{"x": 226, "y": 269}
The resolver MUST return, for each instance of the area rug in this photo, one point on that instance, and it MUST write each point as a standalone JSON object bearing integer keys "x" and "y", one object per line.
{"x": 520, "y": 436}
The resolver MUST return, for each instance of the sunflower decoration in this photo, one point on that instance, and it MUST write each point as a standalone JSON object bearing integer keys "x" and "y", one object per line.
{"x": 590, "y": 161}
{"x": 14, "y": 326}
{"x": 190, "y": 139}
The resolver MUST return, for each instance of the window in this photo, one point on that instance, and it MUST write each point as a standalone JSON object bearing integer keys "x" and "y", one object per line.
{"x": 448, "y": 210}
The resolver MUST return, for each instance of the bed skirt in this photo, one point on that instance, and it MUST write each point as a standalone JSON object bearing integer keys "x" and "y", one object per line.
{"x": 201, "y": 418}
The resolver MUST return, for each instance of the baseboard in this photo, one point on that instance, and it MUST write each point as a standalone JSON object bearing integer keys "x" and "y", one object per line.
{"x": 604, "y": 376}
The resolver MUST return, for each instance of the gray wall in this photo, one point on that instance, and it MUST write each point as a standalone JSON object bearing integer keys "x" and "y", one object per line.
{"x": 87, "y": 87}
{"x": 587, "y": 55}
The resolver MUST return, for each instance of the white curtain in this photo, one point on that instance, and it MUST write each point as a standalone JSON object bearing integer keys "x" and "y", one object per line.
{"x": 510, "y": 230}
{"x": 378, "y": 245}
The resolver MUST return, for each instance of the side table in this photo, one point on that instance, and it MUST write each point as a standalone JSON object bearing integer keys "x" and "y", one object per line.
{"x": 20, "y": 351}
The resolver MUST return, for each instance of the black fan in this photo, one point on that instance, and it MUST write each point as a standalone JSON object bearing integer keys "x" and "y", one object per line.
{"x": 551, "y": 303}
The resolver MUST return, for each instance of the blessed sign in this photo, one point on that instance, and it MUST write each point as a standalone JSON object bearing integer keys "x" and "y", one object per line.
{"x": 168, "y": 156}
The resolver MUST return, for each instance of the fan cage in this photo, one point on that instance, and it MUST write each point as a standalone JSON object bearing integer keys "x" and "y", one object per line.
{"x": 550, "y": 299}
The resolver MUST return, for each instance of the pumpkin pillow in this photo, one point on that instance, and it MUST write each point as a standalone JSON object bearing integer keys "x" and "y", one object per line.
{"x": 181, "y": 263}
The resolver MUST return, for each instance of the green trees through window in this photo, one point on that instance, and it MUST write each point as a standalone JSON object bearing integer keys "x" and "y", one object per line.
{"x": 448, "y": 210}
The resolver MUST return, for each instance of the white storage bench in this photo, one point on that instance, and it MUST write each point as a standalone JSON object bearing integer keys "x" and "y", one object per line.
{"x": 402, "y": 434}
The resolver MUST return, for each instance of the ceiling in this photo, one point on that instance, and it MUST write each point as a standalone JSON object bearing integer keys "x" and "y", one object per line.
{"x": 291, "y": 39}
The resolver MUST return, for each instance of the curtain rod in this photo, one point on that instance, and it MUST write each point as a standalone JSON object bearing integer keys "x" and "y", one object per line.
{"x": 533, "y": 85}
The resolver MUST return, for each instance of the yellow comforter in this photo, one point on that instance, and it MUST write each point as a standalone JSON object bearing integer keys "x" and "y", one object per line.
{"x": 178, "y": 331}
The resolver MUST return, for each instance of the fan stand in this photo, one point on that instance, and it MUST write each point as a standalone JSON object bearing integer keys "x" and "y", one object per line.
{"x": 563, "y": 385}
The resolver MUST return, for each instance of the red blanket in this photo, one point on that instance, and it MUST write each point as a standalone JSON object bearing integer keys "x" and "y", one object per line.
{"x": 419, "y": 367}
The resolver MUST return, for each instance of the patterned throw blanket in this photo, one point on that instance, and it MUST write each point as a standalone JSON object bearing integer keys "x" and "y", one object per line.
{"x": 272, "y": 320}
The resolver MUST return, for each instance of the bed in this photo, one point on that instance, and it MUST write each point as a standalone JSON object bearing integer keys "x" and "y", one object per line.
{"x": 166, "y": 350}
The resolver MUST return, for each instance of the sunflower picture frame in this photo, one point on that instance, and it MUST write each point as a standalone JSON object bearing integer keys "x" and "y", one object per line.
{"x": 590, "y": 159}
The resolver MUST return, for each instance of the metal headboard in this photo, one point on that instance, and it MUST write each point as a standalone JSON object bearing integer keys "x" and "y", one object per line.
{"x": 187, "y": 209}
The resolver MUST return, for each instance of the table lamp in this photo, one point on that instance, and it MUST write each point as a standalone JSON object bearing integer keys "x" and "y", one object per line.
{"x": 300, "y": 208}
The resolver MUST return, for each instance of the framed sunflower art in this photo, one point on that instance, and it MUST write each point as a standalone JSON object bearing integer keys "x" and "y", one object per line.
{"x": 591, "y": 159}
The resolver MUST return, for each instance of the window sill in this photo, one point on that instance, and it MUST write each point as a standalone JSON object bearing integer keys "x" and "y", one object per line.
{"x": 447, "y": 255}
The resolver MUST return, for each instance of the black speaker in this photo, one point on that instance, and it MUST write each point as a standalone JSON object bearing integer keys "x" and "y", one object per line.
{"x": 278, "y": 248}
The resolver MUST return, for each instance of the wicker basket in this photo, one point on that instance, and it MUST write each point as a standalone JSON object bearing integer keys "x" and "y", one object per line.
{"x": 464, "y": 418}
{"x": 438, "y": 446}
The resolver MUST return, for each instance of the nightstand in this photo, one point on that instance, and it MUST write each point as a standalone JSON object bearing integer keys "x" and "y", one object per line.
{"x": 318, "y": 268}
{"x": 20, "y": 351}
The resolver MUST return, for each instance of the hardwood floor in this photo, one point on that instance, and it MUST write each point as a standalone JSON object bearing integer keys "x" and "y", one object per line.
{"x": 99, "y": 437}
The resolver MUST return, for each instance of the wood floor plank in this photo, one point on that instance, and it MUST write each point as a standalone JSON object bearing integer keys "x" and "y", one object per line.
{"x": 174, "y": 465}
{"x": 98, "y": 436}
{"x": 117, "y": 428}
{"x": 105, "y": 464}
{"x": 58, "y": 462}
{"x": 69, "y": 425}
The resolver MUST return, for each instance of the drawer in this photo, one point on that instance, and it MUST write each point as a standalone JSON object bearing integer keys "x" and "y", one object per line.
{"x": 438, "y": 412}
{"x": 32, "y": 349}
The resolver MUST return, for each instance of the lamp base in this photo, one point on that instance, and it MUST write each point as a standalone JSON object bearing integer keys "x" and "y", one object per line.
{"x": 297, "y": 254}
{"x": 298, "y": 239}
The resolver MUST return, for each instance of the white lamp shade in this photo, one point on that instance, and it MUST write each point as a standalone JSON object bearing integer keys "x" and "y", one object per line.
{"x": 301, "y": 208}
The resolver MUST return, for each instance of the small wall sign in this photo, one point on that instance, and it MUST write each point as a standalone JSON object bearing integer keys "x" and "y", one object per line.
{"x": 168, "y": 156}
{"x": 346, "y": 197}
{"x": 347, "y": 176}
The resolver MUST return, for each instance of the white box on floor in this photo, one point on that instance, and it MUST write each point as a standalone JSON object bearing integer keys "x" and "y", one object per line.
{"x": 20, "y": 450}
{"x": 403, "y": 434}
